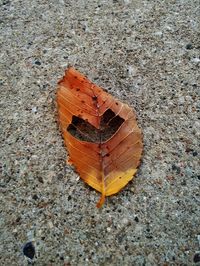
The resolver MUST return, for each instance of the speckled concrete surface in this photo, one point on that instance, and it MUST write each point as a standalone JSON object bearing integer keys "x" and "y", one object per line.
{"x": 146, "y": 53}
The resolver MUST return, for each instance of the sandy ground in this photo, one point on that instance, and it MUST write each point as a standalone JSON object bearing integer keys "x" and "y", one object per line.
{"x": 145, "y": 53}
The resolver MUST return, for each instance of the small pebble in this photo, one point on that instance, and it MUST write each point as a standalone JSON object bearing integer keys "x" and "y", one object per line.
{"x": 189, "y": 46}
{"x": 37, "y": 62}
{"x": 198, "y": 238}
{"x": 195, "y": 60}
{"x": 29, "y": 250}
{"x": 196, "y": 258}
{"x": 34, "y": 110}
{"x": 35, "y": 197}
{"x": 158, "y": 33}
{"x": 176, "y": 168}
{"x": 136, "y": 219}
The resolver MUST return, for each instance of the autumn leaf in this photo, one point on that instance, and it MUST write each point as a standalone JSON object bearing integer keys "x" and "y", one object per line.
{"x": 101, "y": 134}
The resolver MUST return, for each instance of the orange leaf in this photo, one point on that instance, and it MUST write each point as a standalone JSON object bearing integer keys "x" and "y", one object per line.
{"x": 100, "y": 133}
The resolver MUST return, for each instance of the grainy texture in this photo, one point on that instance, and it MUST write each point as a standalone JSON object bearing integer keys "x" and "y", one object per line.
{"x": 145, "y": 53}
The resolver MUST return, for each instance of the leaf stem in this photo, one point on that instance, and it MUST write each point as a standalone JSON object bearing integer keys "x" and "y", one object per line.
{"x": 103, "y": 194}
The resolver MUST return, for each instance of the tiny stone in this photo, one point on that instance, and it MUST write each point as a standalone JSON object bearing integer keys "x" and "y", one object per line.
{"x": 151, "y": 258}
{"x": 29, "y": 250}
{"x": 184, "y": 183}
{"x": 189, "y": 46}
{"x": 18, "y": 219}
{"x": 136, "y": 219}
{"x": 40, "y": 179}
{"x": 195, "y": 60}
{"x": 131, "y": 71}
{"x": 60, "y": 176}
{"x": 37, "y": 62}
{"x": 125, "y": 221}
{"x": 34, "y": 109}
{"x": 196, "y": 258}
{"x": 50, "y": 224}
{"x": 158, "y": 33}
{"x": 108, "y": 229}
{"x": 181, "y": 100}
{"x": 188, "y": 171}
{"x": 195, "y": 153}
{"x": 176, "y": 168}
{"x": 198, "y": 238}
{"x": 69, "y": 197}
{"x": 35, "y": 197}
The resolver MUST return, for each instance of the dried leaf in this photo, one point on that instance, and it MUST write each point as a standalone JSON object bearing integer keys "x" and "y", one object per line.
{"x": 100, "y": 133}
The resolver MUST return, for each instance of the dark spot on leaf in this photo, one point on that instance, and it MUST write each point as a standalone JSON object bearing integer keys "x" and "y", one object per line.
{"x": 83, "y": 101}
{"x": 77, "y": 89}
{"x": 116, "y": 103}
{"x": 29, "y": 250}
{"x": 94, "y": 98}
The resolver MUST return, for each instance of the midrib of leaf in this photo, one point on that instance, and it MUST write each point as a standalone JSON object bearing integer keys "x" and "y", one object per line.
{"x": 103, "y": 194}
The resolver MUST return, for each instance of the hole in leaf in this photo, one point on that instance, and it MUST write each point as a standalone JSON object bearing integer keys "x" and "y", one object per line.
{"x": 84, "y": 131}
